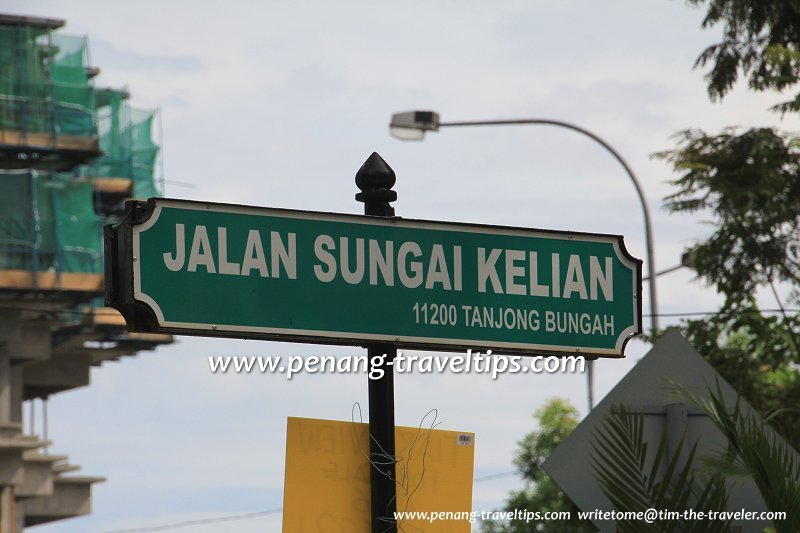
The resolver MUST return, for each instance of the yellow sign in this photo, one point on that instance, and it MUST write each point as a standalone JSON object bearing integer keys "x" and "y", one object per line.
{"x": 326, "y": 489}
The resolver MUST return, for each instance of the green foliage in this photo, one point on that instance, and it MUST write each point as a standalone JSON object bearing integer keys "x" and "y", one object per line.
{"x": 761, "y": 39}
{"x": 634, "y": 481}
{"x": 754, "y": 452}
{"x": 751, "y": 185}
{"x": 557, "y": 418}
{"x": 756, "y": 355}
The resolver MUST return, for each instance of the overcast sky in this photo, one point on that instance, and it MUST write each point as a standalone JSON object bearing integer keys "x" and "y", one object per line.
{"x": 277, "y": 104}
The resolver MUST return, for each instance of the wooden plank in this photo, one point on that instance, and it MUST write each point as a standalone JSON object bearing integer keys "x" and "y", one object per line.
{"x": 70, "y": 281}
{"x": 45, "y": 140}
{"x": 31, "y": 22}
{"x": 161, "y": 338}
{"x": 113, "y": 186}
{"x": 105, "y": 316}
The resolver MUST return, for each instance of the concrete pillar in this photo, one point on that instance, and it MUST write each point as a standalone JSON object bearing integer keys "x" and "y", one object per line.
{"x": 33, "y": 344}
{"x": 12, "y": 337}
{"x": 15, "y": 396}
{"x": 5, "y": 390}
{"x": 8, "y": 519}
{"x": 10, "y": 325}
{"x": 19, "y": 514}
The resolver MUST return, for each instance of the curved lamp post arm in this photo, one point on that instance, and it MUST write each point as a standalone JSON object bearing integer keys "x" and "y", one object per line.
{"x": 645, "y": 211}
{"x": 412, "y": 125}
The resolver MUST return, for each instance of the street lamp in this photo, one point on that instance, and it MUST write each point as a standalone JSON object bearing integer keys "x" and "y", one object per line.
{"x": 412, "y": 125}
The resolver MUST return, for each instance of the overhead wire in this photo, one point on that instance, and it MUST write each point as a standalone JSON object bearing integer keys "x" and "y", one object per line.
{"x": 231, "y": 518}
{"x": 677, "y": 314}
{"x": 244, "y": 516}
{"x": 200, "y": 522}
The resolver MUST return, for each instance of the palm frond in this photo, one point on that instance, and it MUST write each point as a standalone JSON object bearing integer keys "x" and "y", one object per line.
{"x": 755, "y": 449}
{"x": 620, "y": 463}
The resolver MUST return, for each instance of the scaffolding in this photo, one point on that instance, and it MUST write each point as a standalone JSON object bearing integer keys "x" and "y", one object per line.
{"x": 46, "y": 96}
{"x": 50, "y": 235}
{"x": 70, "y": 155}
{"x": 127, "y": 167}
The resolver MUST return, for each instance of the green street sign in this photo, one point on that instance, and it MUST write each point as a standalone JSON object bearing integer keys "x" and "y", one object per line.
{"x": 222, "y": 270}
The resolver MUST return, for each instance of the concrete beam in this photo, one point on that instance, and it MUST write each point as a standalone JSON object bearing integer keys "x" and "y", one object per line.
{"x": 62, "y": 467}
{"x": 72, "y": 497}
{"x": 12, "y": 450}
{"x": 34, "y": 344}
{"x": 56, "y": 375}
{"x": 12, "y": 471}
{"x": 10, "y": 325}
{"x": 38, "y": 477}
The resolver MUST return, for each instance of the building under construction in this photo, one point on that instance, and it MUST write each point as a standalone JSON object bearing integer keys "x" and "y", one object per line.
{"x": 71, "y": 153}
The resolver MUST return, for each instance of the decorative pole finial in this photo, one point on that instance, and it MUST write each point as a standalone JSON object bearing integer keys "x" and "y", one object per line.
{"x": 376, "y": 178}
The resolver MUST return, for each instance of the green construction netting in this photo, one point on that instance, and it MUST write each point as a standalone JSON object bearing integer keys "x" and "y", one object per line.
{"x": 112, "y": 120}
{"x": 48, "y": 223}
{"x": 144, "y": 153}
{"x": 73, "y": 93}
{"x": 44, "y": 87}
{"x": 126, "y": 139}
{"x": 23, "y": 83}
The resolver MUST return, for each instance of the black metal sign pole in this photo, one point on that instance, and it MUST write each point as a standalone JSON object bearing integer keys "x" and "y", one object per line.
{"x": 375, "y": 179}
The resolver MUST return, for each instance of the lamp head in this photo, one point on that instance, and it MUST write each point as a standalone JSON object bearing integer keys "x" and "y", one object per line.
{"x": 412, "y": 125}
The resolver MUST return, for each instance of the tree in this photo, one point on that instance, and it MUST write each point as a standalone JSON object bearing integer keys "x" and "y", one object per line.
{"x": 750, "y": 183}
{"x": 753, "y": 452}
{"x": 761, "y": 39}
{"x": 635, "y": 480}
{"x": 557, "y": 418}
{"x": 750, "y": 351}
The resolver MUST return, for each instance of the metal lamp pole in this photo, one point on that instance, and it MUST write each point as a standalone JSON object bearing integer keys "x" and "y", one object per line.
{"x": 412, "y": 125}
